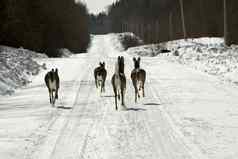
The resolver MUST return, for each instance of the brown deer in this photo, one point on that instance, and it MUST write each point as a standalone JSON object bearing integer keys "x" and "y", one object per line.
{"x": 52, "y": 82}
{"x": 138, "y": 77}
{"x": 119, "y": 81}
{"x": 100, "y": 75}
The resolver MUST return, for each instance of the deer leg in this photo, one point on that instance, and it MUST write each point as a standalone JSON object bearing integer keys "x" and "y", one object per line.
{"x": 122, "y": 97}
{"x": 115, "y": 94}
{"x": 116, "y": 101}
{"x": 115, "y": 91}
{"x": 50, "y": 96}
{"x": 140, "y": 88}
{"x": 103, "y": 86}
{"x": 96, "y": 82}
{"x": 95, "y": 77}
{"x": 136, "y": 90}
{"x": 143, "y": 88}
{"x": 56, "y": 94}
{"x": 135, "y": 95}
{"x": 118, "y": 95}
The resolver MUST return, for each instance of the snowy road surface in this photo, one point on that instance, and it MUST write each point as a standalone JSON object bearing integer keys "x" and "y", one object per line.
{"x": 186, "y": 114}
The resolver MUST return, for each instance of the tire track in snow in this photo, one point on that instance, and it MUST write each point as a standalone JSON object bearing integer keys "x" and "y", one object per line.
{"x": 70, "y": 132}
{"x": 57, "y": 118}
{"x": 44, "y": 149}
{"x": 173, "y": 137}
{"x": 95, "y": 130}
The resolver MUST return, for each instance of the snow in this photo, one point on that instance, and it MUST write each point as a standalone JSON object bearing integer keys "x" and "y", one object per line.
{"x": 210, "y": 56}
{"x": 204, "y": 54}
{"x": 145, "y": 50}
{"x": 16, "y": 67}
{"x": 64, "y": 52}
{"x": 123, "y": 41}
{"x": 201, "y": 106}
{"x": 186, "y": 114}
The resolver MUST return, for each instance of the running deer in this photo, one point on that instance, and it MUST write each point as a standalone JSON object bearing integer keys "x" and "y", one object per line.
{"x": 138, "y": 77}
{"x": 119, "y": 81}
{"x": 100, "y": 75}
{"x": 52, "y": 83}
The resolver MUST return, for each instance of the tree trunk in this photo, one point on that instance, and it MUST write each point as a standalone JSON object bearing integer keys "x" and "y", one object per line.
{"x": 183, "y": 19}
{"x": 171, "y": 25}
{"x": 157, "y": 31}
{"x": 225, "y": 24}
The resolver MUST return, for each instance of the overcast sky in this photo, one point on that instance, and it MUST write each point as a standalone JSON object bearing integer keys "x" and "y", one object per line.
{"x": 96, "y": 6}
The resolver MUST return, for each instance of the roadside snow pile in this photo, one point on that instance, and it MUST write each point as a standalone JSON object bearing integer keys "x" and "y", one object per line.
{"x": 209, "y": 42}
{"x": 17, "y": 65}
{"x": 148, "y": 50}
{"x": 208, "y": 55}
{"x": 205, "y": 54}
{"x": 123, "y": 41}
{"x": 117, "y": 45}
{"x": 64, "y": 52}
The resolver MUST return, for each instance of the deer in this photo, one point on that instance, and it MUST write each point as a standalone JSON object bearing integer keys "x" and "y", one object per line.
{"x": 138, "y": 77}
{"x": 119, "y": 82}
{"x": 100, "y": 75}
{"x": 52, "y": 82}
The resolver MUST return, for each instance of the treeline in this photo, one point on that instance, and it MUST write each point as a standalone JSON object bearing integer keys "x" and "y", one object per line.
{"x": 100, "y": 24}
{"x": 44, "y": 26}
{"x": 163, "y": 20}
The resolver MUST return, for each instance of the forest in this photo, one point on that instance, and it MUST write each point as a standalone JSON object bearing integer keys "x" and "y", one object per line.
{"x": 164, "y": 20}
{"x": 44, "y": 26}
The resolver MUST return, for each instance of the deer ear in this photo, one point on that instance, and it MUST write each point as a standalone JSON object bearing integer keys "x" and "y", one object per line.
{"x": 119, "y": 58}
{"x": 103, "y": 63}
{"x": 134, "y": 59}
{"x": 122, "y": 59}
{"x": 139, "y": 59}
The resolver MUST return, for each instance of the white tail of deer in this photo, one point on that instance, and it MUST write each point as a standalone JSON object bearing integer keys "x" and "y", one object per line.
{"x": 138, "y": 77}
{"x": 119, "y": 82}
{"x": 52, "y": 83}
{"x": 100, "y": 75}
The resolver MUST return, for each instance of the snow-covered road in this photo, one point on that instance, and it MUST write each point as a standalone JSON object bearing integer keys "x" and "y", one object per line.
{"x": 177, "y": 119}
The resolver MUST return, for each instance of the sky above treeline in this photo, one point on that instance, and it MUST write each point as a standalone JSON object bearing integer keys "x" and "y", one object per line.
{"x": 97, "y": 6}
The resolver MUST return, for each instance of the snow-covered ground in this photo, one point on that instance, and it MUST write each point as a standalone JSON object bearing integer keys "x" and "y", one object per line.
{"x": 203, "y": 107}
{"x": 17, "y": 65}
{"x": 123, "y": 41}
{"x": 204, "y": 54}
{"x": 186, "y": 114}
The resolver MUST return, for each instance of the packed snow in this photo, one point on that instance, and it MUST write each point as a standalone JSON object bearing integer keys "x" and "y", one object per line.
{"x": 186, "y": 114}
{"x": 204, "y": 116}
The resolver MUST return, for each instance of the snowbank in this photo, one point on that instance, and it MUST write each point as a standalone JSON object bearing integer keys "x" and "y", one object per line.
{"x": 201, "y": 108}
{"x": 17, "y": 65}
{"x": 208, "y": 55}
{"x": 64, "y": 52}
{"x": 148, "y": 50}
{"x": 205, "y": 54}
{"x": 123, "y": 41}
